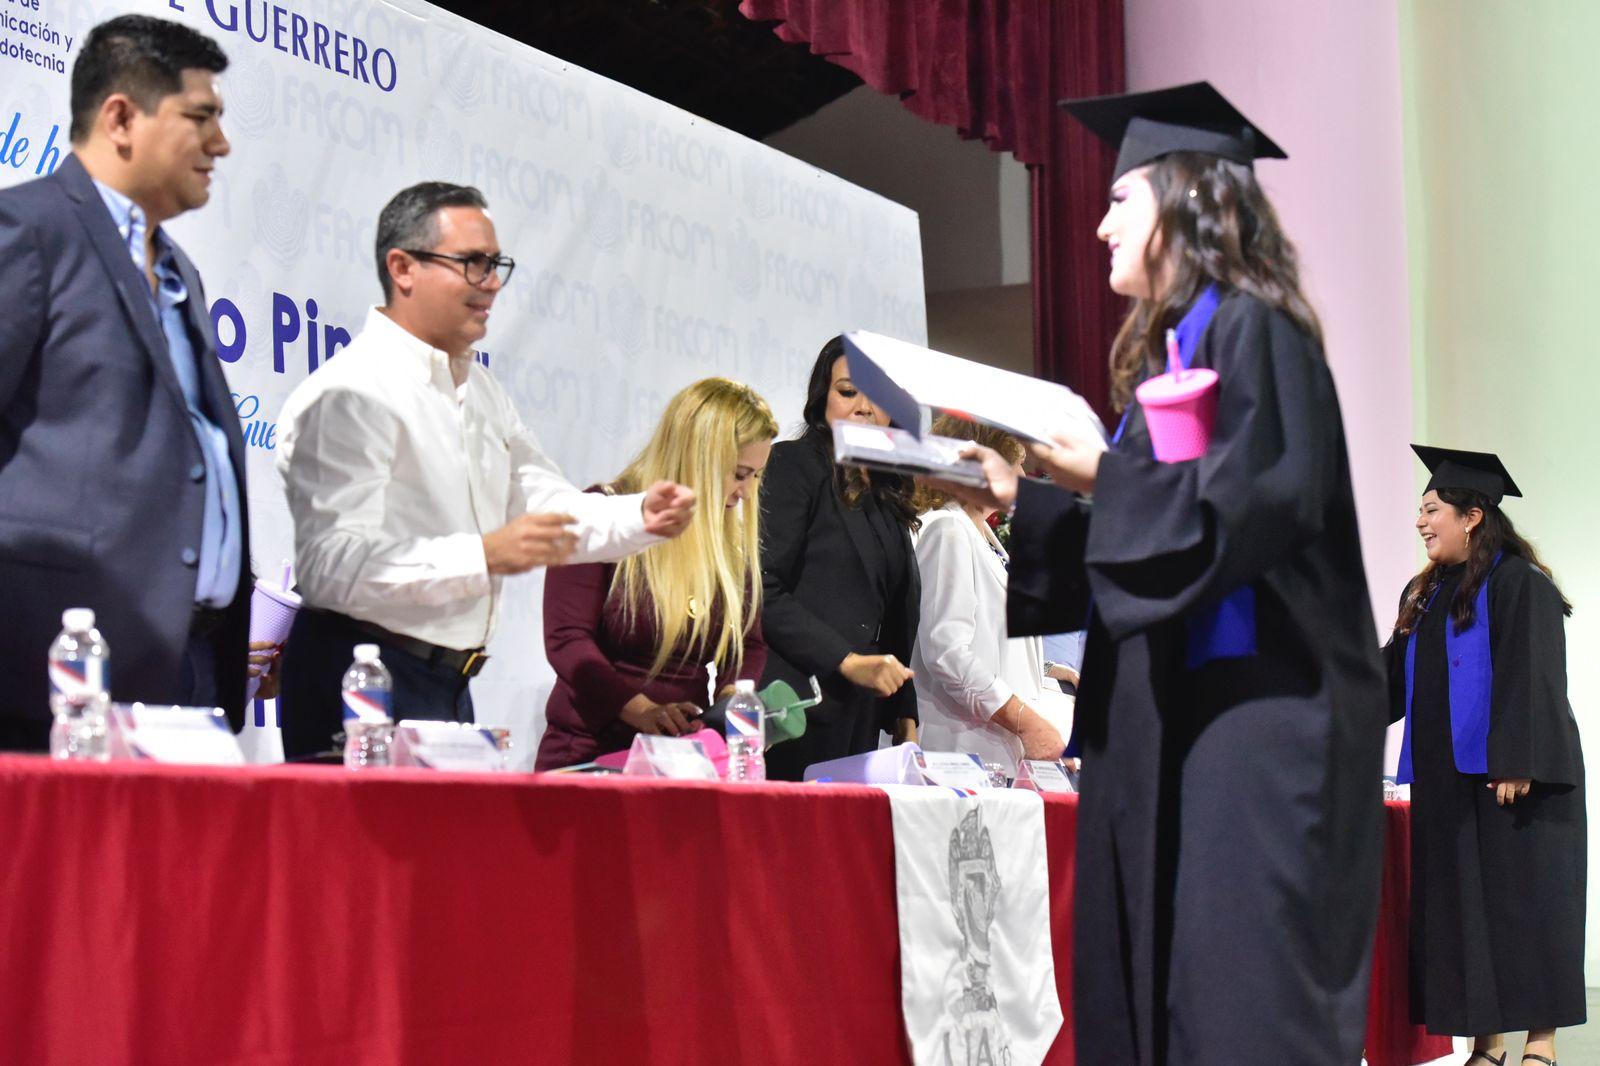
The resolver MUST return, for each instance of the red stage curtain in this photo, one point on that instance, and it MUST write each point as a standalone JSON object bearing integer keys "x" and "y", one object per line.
{"x": 994, "y": 69}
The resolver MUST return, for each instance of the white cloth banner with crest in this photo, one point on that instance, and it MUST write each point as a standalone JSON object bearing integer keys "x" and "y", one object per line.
{"x": 977, "y": 972}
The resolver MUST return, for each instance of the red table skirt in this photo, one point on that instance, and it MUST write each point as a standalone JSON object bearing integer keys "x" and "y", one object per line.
{"x": 306, "y": 915}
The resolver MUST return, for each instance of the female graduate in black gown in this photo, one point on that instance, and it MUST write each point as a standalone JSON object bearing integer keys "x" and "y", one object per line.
{"x": 1232, "y": 709}
{"x": 1478, "y": 668}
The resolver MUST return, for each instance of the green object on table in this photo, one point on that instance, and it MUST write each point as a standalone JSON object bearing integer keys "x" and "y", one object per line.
{"x": 786, "y": 725}
{"x": 786, "y": 712}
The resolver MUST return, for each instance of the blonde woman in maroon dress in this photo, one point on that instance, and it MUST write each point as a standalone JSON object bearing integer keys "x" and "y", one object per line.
{"x": 630, "y": 641}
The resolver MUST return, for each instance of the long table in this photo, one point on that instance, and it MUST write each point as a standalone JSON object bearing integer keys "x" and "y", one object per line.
{"x": 308, "y": 915}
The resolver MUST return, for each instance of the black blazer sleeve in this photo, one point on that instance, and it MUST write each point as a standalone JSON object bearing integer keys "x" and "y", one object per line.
{"x": 791, "y": 499}
{"x": 903, "y": 704}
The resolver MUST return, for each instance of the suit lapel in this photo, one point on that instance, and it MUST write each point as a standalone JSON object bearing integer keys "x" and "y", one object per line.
{"x": 140, "y": 310}
{"x": 855, "y": 525}
{"x": 130, "y": 285}
{"x": 213, "y": 383}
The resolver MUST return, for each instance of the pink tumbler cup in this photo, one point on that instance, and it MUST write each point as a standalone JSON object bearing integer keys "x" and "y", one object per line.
{"x": 1180, "y": 408}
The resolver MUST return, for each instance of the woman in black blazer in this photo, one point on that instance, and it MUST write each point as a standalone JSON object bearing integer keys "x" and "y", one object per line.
{"x": 839, "y": 581}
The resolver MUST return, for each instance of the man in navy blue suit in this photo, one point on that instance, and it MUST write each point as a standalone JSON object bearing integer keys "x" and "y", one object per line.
{"x": 121, "y": 461}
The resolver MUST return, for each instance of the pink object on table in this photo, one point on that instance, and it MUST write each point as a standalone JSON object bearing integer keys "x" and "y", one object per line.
{"x": 272, "y": 611}
{"x": 1180, "y": 408}
{"x": 710, "y": 739}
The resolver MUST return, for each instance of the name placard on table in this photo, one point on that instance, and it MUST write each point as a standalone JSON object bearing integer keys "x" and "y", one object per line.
{"x": 453, "y": 746}
{"x": 1039, "y": 775}
{"x": 193, "y": 736}
{"x": 953, "y": 769}
{"x": 678, "y": 758}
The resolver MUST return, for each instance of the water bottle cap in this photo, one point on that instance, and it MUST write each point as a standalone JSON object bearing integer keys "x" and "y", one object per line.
{"x": 744, "y": 684}
{"x": 77, "y": 618}
{"x": 366, "y": 653}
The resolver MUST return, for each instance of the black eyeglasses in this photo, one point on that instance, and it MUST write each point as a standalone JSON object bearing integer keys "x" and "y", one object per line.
{"x": 475, "y": 267}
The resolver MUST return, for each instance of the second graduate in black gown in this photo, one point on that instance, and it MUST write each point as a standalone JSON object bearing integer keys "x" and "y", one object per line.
{"x": 1477, "y": 668}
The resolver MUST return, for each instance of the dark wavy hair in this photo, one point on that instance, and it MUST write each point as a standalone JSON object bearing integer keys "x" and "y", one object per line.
{"x": 1494, "y": 534}
{"x": 891, "y": 491}
{"x": 1214, "y": 224}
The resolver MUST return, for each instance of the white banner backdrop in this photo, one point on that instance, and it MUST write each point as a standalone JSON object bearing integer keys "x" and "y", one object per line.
{"x": 653, "y": 248}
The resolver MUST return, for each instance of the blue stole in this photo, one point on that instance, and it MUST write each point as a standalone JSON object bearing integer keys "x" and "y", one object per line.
{"x": 1191, "y": 327}
{"x": 1226, "y": 629}
{"x": 1471, "y": 681}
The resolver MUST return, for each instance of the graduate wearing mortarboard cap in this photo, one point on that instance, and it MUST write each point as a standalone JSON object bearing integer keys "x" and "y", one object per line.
{"x": 1477, "y": 668}
{"x": 1231, "y": 712}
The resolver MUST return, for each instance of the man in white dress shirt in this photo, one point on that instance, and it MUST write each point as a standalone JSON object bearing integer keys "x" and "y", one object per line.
{"x": 415, "y": 488}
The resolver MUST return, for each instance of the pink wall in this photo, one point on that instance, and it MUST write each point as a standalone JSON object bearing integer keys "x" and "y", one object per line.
{"x": 1322, "y": 77}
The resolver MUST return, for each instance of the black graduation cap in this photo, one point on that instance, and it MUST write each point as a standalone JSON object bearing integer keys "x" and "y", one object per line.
{"x": 1185, "y": 118}
{"x": 1455, "y": 469}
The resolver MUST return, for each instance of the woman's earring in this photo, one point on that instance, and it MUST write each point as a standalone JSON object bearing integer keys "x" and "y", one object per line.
{"x": 1469, "y": 538}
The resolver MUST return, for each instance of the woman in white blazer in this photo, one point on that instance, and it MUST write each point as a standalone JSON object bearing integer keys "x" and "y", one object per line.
{"x": 977, "y": 690}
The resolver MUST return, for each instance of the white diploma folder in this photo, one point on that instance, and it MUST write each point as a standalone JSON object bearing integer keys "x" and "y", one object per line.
{"x": 910, "y": 382}
{"x": 897, "y": 451}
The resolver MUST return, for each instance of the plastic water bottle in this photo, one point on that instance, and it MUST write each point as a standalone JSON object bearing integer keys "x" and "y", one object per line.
{"x": 747, "y": 734}
{"x": 368, "y": 727}
{"x": 80, "y": 676}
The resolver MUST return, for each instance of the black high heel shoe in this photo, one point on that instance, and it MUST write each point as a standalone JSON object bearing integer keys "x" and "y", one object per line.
{"x": 1486, "y": 1057}
{"x": 1538, "y": 1058}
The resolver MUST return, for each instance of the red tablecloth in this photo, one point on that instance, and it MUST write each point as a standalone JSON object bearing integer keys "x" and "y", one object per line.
{"x": 307, "y": 915}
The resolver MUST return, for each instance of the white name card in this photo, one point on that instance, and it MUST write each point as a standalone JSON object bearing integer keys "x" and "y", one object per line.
{"x": 953, "y": 769}
{"x": 193, "y": 736}
{"x": 679, "y": 758}
{"x": 453, "y": 746}
{"x": 1037, "y": 775}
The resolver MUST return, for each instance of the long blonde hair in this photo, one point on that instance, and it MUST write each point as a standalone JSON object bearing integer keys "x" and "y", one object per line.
{"x": 709, "y": 571}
